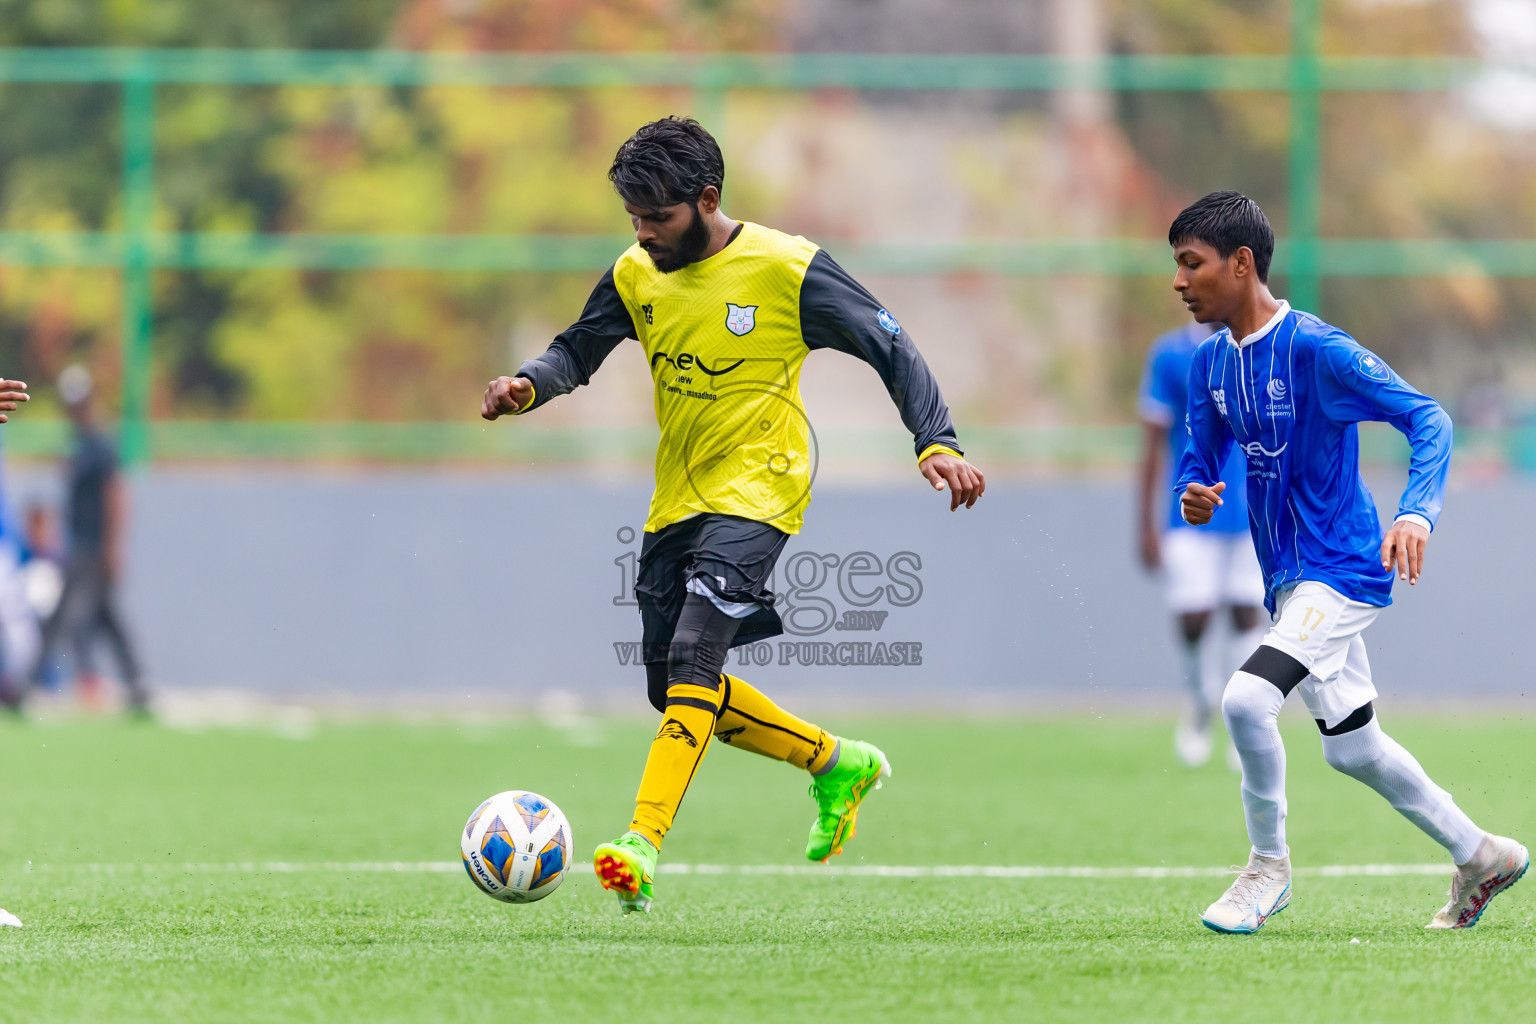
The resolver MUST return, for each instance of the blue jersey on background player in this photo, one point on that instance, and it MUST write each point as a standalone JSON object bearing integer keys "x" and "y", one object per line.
{"x": 1164, "y": 400}
{"x": 19, "y": 632}
{"x": 1287, "y": 400}
{"x": 1203, "y": 567}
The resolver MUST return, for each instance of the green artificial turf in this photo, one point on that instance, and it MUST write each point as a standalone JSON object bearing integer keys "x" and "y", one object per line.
{"x": 153, "y": 940}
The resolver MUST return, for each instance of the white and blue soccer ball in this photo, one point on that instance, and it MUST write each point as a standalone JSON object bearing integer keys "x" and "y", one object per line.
{"x": 516, "y": 846}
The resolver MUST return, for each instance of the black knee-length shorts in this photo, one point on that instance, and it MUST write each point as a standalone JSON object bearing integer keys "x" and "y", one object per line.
{"x": 733, "y": 557}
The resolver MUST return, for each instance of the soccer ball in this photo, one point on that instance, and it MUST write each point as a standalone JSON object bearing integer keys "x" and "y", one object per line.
{"x": 516, "y": 846}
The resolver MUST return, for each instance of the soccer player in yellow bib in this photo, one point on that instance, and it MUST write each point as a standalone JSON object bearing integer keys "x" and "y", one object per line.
{"x": 726, "y": 312}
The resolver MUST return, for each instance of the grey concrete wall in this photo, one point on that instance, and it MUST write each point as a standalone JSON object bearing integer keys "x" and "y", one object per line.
{"x": 451, "y": 584}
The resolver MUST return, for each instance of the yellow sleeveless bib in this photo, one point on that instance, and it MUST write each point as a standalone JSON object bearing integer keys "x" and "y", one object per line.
{"x": 724, "y": 344}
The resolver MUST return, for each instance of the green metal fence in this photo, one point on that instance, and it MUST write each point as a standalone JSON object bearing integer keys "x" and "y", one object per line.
{"x": 138, "y": 250}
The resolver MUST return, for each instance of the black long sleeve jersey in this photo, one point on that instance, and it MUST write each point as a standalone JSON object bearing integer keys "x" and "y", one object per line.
{"x": 725, "y": 338}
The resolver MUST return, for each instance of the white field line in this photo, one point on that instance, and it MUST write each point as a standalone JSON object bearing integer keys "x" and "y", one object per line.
{"x": 279, "y": 867}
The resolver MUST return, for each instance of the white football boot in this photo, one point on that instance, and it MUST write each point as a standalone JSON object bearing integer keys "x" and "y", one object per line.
{"x": 9, "y": 920}
{"x": 1261, "y": 891}
{"x": 1498, "y": 864}
{"x": 1193, "y": 745}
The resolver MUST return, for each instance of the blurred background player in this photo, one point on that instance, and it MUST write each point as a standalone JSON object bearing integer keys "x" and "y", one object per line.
{"x": 12, "y": 394}
{"x": 42, "y": 573}
{"x": 96, "y": 507}
{"x": 1204, "y": 567}
{"x": 42, "y": 559}
{"x": 20, "y": 637}
{"x": 1288, "y": 390}
{"x": 726, "y": 313}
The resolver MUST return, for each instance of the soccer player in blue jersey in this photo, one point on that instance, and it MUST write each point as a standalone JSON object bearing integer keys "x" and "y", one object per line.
{"x": 1287, "y": 389}
{"x": 1203, "y": 567}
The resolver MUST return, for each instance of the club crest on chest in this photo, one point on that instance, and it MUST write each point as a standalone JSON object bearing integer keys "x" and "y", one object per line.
{"x": 740, "y": 320}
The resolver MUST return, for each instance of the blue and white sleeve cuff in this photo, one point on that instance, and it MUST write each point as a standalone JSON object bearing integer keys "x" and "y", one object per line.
{"x": 1416, "y": 519}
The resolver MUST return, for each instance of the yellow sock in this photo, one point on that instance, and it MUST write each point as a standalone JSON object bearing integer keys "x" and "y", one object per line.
{"x": 752, "y": 722}
{"x": 675, "y": 754}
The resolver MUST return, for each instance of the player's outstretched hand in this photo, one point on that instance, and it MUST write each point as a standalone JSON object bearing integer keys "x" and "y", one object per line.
{"x": 506, "y": 395}
{"x": 1403, "y": 548}
{"x": 12, "y": 394}
{"x": 1200, "y": 502}
{"x": 965, "y": 481}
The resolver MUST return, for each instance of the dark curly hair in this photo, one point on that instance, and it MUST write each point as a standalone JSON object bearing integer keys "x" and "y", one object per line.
{"x": 667, "y": 162}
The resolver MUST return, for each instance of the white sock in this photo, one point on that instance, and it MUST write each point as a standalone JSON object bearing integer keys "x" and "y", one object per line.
{"x": 1194, "y": 682}
{"x": 1251, "y": 708}
{"x": 1379, "y": 761}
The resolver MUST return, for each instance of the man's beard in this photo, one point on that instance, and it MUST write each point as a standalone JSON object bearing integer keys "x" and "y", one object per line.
{"x": 689, "y": 248}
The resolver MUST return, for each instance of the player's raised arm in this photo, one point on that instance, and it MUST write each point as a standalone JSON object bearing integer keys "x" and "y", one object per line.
{"x": 837, "y": 312}
{"x": 1198, "y": 485}
{"x": 1359, "y": 385}
{"x": 12, "y": 394}
{"x": 570, "y": 360}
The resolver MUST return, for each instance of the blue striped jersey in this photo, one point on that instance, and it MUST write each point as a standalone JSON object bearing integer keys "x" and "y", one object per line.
{"x": 1289, "y": 397}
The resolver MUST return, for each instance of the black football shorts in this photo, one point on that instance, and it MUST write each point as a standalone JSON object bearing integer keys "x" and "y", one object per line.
{"x": 733, "y": 557}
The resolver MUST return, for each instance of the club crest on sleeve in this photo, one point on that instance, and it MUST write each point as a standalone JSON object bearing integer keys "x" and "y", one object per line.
{"x": 1372, "y": 367}
{"x": 887, "y": 322}
{"x": 740, "y": 320}
{"x": 1219, "y": 396}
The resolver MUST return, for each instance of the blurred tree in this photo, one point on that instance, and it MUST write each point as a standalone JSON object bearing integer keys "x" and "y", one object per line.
{"x": 336, "y": 159}
{"x": 60, "y": 168}
{"x": 357, "y": 159}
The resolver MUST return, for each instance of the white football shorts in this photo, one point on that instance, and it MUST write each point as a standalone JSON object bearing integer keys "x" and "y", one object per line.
{"x": 21, "y": 637}
{"x": 1205, "y": 569}
{"x": 1320, "y": 627}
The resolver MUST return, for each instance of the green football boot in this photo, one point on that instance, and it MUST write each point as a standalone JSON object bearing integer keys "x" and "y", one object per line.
{"x": 860, "y": 768}
{"x": 625, "y": 867}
